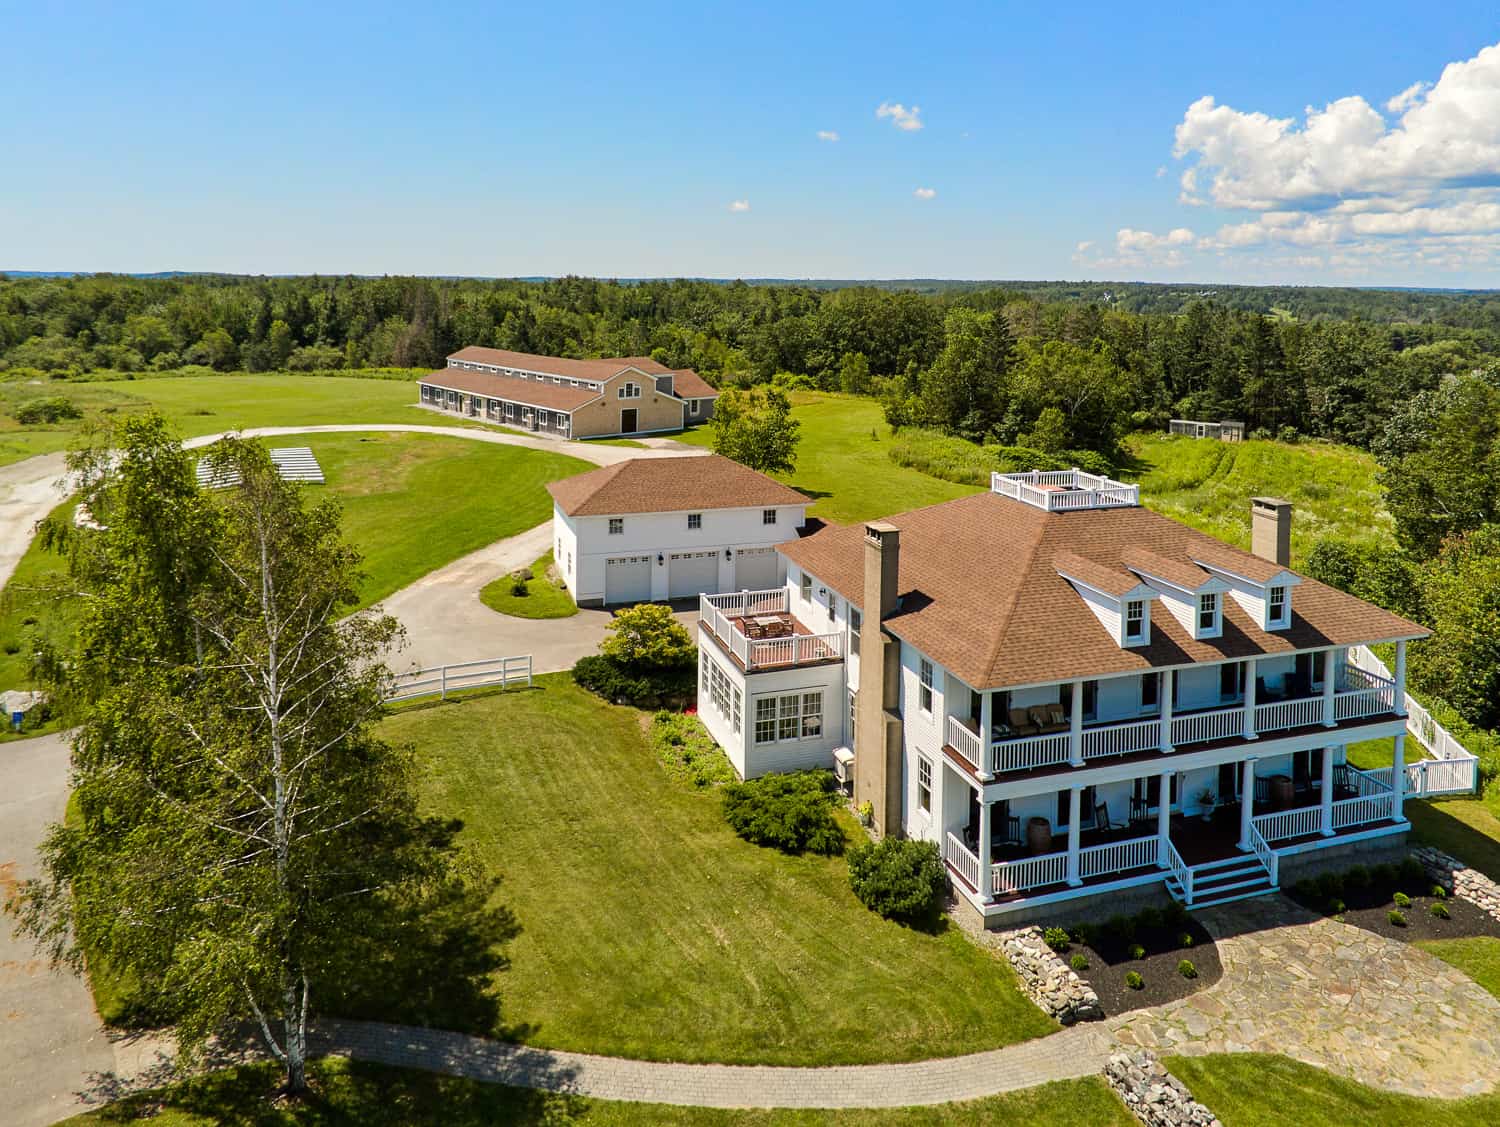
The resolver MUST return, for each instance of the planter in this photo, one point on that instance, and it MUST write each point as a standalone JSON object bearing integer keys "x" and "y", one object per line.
{"x": 1283, "y": 792}
{"x": 1038, "y": 836}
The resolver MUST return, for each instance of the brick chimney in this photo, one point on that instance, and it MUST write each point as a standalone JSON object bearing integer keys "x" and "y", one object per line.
{"x": 1271, "y": 529}
{"x": 877, "y": 745}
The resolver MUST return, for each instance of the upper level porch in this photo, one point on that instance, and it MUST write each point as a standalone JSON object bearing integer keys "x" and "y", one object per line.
{"x": 1077, "y": 723}
{"x": 758, "y": 630}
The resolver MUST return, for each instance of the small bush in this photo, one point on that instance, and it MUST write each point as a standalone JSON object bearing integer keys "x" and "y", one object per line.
{"x": 1357, "y": 879}
{"x": 1438, "y": 892}
{"x": 1120, "y": 928}
{"x": 686, "y": 749}
{"x": 643, "y": 687}
{"x": 1149, "y": 919}
{"x": 1137, "y": 951}
{"x": 899, "y": 878}
{"x": 1186, "y": 969}
{"x": 791, "y": 812}
{"x": 1079, "y": 962}
{"x": 518, "y": 586}
{"x": 1330, "y": 886}
{"x": 1085, "y": 934}
{"x": 1412, "y": 873}
{"x": 1305, "y": 889}
{"x": 53, "y": 409}
{"x": 1402, "y": 900}
{"x": 1384, "y": 876}
{"x": 1134, "y": 980}
{"x": 1336, "y": 907}
{"x": 1056, "y": 938}
{"x": 1395, "y": 918}
{"x": 1174, "y": 915}
{"x": 1185, "y": 939}
{"x": 1439, "y": 910}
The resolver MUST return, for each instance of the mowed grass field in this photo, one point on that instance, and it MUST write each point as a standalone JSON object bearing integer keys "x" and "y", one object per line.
{"x": 650, "y": 930}
{"x": 412, "y": 503}
{"x": 373, "y": 1096}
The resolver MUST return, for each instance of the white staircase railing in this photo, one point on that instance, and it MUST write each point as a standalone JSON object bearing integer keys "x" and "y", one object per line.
{"x": 1179, "y": 869}
{"x": 1266, "y": 855}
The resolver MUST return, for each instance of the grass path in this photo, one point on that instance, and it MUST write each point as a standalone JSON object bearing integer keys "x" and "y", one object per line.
{"x": 651, "y": 931}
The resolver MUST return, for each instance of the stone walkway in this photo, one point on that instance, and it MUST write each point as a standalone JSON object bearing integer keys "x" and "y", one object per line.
{"x": 1378, "y": 1011}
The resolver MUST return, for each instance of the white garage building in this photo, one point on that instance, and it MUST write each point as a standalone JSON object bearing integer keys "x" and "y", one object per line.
{"x": 652, "y": 529}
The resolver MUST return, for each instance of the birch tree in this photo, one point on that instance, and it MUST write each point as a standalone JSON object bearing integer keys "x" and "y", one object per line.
{"x": 242, "y": 829}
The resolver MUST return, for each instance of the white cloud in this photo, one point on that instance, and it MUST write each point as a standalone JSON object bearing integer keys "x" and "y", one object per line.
{"x": 1084, "y": 247}
{"x": 1161, "y": 170}
{"x": 901, "y": 117}
{"x": 739, "y": 205}
{"x": 827, "y": 135}
{"x": 1418, "y": 185}
{"x": 925, "y": 193}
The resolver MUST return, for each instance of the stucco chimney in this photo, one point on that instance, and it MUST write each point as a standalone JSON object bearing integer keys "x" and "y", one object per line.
{"x": 1271, "y": 529}
{"x": 877, "y": 744}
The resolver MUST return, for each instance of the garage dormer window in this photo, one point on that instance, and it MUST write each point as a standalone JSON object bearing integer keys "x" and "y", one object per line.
{"x": 1135, "y": 621}
{"x": 1278, "y": 608}
{"x": 630, "y": 391}
{"x": 1208, "y": 615}
{"x": 616, "y": 525}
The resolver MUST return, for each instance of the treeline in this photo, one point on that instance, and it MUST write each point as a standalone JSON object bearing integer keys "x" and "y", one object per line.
{"x": 1059, "y": 365}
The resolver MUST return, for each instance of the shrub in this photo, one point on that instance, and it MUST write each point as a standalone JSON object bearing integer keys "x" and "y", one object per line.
{"x": 1137, "y": 951}
{"x": 1330, "y": 886}
{"x": 53, "y": 409}
{"x": 1357, "y": 879}
{"x": 1174, "y": 915}
{"x": 1336, "y": 907}
{"x": 1438, "y": 892}
{"x": 645, "y": 688}
{"x": 647, "y": 636}
{"x": 1384, "y": 876}
{"x": 1134, "y": 980}
{"x": 686, "y": 749}
{"x": 1149, "y": 919}
{"x": 1056, "y": 938}
{"x": 1185, "y": 939}
{"x": 1412, "y": 873}
{"x": 1186, "y": 969}
{"x": 899, "y": 878}
{"x": 1439, "y": 910}
{"x": 791, "y": 812}
{"x": 1085, "y": 934}
{"x": 1395, "y": 918}
{"x": 1402, "y": 900}
{"x": 1305, "y": 889}
{"x": 518, "y": 586}
{"x": 1079, "y": 962}
{"x": 1120, "y": 928}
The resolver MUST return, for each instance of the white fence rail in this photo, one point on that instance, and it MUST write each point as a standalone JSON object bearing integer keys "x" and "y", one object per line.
{"x": 964, "y": 863}
{"x": 1179, "y": 869}
{"x": 1299, "y": 713}
{"x": 1031, "y": 751}
{"x": 1219, "y": 724}
{"x": 1439, "y": 742}
{"x": 1442, "y": 776}
{"x": 794, "y": 649}
{"x": 738, "y": 603}
{"x": 440, "y": 680}
{"x": 1303, "y": 821}
{"x": 1118, "y": 857}
{"x": 1033, "y": 872}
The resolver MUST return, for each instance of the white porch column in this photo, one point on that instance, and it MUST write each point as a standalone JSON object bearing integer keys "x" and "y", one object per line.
{"x": 1075, "y": 817}
{"x": 1327, "y": 795}
{"x": 1247, "y": 802}
{"x": 1075, "y": 727}
{"x": 1329, "y": 669}
{"x": 1250, "y": 732}
{"x": 986, "y": 885}
{"x": 1164, "y": 692}
{"x": 1163, "y": 819}
{"x": 986, "y": 726}
{"x": 1400, "y": 674}
{"x": 1398, "y": 779}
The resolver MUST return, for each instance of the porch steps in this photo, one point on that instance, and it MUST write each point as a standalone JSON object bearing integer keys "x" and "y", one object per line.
{"x": 1219, "y": 882}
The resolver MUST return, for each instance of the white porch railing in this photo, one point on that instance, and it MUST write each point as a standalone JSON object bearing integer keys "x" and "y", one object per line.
{"x": 965, "y": 741}
{"x": 1352, "y": 704}
{"x": 1439, "y": 742}
{"x": 1031, "y": 751}
{"x": 1219, "y": 724}
{"x": 1033, "y": 872}
{"x": 1369, "y": 784}
{"x": 741, "y": 603}
{"x": 1301, "y": 822}
{"x": 1428, "y": 777}
{"x": 1118, "y": 857}
{"x": 718, "y": 613}
{"x": 1267, "y": 856}
{"x": 794, "y": 649}
{"x": 1360, "y": 811}
{"x": 1179, "y": 869}
{"x": 1279, "y": 715}
{"x": 964, "y": 863}
{"x": 1121, "y": 739}
{"x": 440, "y": 680}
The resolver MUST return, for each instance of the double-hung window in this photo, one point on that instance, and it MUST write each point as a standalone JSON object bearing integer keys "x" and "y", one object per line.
{"x": 765, "y": 720}
{"x": 616, "y": 526}
{"x": 786, "y": 718}
{"x": 1208, "y": 615}
{"x": 1276, "y": 607}
{"x": 924, "y": 784}
{"x": 805, "y": 586}
{"x": 1135, "y": 620}
{"x": 854, "y": 624}
{"x": 925, "y": 691}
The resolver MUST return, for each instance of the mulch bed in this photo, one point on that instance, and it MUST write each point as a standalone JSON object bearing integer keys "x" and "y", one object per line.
{"x": 1371, "y": 910}
{"x": 1110, "y": 961}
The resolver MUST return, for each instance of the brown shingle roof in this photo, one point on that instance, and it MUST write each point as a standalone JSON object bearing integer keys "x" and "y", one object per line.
{"x": 559, "y": 365}
{"x": 690, "y": 385}
{"x": 1112, "y": 581}
{"x": 1240, "y": 563}
{"x": 670, "y": 485}
{"x": 1182, "y": 573}
{"x": 980, "y": 593}
{"x": 532, "y": 392}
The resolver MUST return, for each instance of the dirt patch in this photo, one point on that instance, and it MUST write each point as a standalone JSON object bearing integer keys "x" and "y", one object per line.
{"x": 1110, "y": 960}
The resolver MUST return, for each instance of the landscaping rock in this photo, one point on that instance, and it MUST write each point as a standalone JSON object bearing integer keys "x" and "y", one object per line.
{"x": 1460, "y": 880}
{"x": 1047, "y": 980}
{"x": 1154, "y": 1095}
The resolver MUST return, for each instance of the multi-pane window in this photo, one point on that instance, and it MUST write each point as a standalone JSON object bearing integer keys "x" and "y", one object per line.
{"x": 854, "y": 624}
{"x": 695, "y": 520}
{"x": 805, "y": 586}
{"x": 765, "y": 720}
{"x": 1135, "y": 620}
{"x": 768, "y": 516}
{"x": 1208, "y": 613}
{"x": 794, "y": 716}
{"x": 812, "y": 716}
{"x": 853, "y": 736}
{"x": 630, "y": 391}
{"x": 924, "y": 783}
{"x": 1277, "y": 612}
{"x": 789, "y": 722}
{"x": 722, "y": 692}
{"x": 925, "y": 674}
{"x": 616, "y": 525}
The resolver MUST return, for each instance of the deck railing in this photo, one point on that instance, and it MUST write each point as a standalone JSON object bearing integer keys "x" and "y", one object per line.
{"x": 1428, "y": 777}
{"x": 1360, "y": 811}
{"x": 1301, "y": 822}
{"x": 1267, "y": 856}
{"x": 1033, "y": 872}
{"x": 1121, "y": 739}
{"x": 718, "y": 613}
{"x": 1424, "y": 728}
{"x": 1118, "y": 856}
{"x": 1300, "y": 713}
{"x": 1031, "y": 751}
{"x": 965, "y": 741}
{"x": 1065, "y": 490}
{"x": 964, "y": 863}
{"x": 1217, "y": 724}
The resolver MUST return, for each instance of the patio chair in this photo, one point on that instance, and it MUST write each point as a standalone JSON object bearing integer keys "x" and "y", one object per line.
{"x": 1101, "y": 817}
{"x": 1021, "y": 724}
{"x": 1140, "y": 811}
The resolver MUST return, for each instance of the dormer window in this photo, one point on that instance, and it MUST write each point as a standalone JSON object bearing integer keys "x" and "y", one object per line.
{"x": 1135, "y": 621}
{"x": 1208, "y": 615}
{"x": 1278, "y": 608}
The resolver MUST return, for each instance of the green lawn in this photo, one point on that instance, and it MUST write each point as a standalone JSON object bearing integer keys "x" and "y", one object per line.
{"x": 843, "y": 463}
{"x": 1467, "y": 828}
{"x": 649, "y": 930}
{"x": 544, "y": 598}
{"x": 1477, "y": 956}
{"x": 1209, "y": 485}
{"x": 372, "y": 1096}
{"x": 1258, "y": 1090}
{"x": 210, "y": 404}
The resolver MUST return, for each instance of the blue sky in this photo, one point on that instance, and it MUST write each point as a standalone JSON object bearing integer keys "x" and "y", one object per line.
{"x": 616, "y": 139}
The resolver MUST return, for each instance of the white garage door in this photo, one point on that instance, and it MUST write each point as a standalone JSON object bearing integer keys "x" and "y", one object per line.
{"x": 692, "y": 573}
{"x": 756, "y": 569}
{"x": 627, "y": 579}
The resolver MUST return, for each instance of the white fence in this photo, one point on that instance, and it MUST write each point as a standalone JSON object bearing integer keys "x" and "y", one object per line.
{"x": 1301, "y": 822}
{"x": 441, "y": 680}
{"x": 1456, "y": 770}
{"x": 1118, "y": 857}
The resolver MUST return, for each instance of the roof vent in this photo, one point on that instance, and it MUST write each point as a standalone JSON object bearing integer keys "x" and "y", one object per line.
{"x": 1059, "y": 491}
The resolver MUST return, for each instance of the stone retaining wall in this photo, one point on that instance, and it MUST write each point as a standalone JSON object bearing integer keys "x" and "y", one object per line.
{"x": 1462, "y": 881}
{"x": 1154, "y": 1095}
{"x": 1047, "y": 980}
